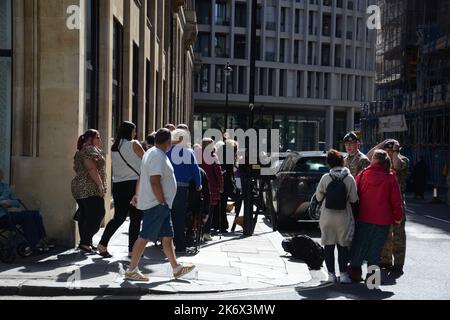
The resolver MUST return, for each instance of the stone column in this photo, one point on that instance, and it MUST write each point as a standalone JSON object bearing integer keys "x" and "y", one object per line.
{"x": 350, "y": 119}
{"x": 42, "y": 179}
{"x": 329, "y": 122}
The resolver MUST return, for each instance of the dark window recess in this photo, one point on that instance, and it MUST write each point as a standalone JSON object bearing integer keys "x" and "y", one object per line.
{"x": 221, "y": 14}
{"x": 203, "y": 79}
{"x": 147, "y": 96}
{"x": 261, "y": 81}
{"x": 203, "y": 9}
{"x": 258, "y": 48}
{"x": 92, "y": 60}
{"x": 239, "y": 47}
{"x": 135, "y": 93}
{"x": 203, "y": 44}
{"x": 117, "y": 76}
{"x": 281, "y": 88}
{"x": 241, "y": 83}
{"x": 258, "y": 17}
{"x": 282, "y": 50}
{"x": 241, "y": 15}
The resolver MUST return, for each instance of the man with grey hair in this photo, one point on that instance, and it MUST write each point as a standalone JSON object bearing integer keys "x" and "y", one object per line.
{"x": 186, "y": 170}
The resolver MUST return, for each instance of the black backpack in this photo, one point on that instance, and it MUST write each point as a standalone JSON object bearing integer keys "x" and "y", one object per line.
{"x": 306, "y": 249}
{"x": 336, "y": 195}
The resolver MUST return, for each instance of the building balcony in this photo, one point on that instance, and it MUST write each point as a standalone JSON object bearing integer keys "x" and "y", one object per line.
{"x": 191, "y": 28}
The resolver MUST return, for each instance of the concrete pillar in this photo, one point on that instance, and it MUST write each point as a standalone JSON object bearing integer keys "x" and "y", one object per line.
{"x": 105, "y": 89}
{"x": 329, "y": 123}
{"x": 350, "y": 119}
{"x": 59, "y": 86}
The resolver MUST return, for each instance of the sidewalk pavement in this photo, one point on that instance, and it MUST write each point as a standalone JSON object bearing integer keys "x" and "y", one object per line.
{"x": 230, "y": 264}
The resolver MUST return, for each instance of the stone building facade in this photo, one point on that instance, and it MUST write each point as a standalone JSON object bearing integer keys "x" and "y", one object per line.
{"x": 70, "y": 65}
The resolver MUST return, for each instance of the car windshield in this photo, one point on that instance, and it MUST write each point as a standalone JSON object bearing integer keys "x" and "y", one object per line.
{"x": 312, "y": 165}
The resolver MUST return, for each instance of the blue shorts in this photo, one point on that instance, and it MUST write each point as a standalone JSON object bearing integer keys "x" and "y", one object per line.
{"x": 156, "y": 223}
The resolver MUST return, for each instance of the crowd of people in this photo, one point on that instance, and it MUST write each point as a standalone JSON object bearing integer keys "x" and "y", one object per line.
{"x": 160, "y": 183}
{"x": 163, "y": 182}
{"x": 363, "y": 209}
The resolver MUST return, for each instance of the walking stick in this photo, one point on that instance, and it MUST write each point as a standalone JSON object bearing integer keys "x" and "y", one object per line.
{"x": 220, "y": 218}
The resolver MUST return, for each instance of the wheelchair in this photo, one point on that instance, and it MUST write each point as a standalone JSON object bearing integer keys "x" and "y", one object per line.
{"x": 194, "y": 231}
{"x": 12, "y": 241}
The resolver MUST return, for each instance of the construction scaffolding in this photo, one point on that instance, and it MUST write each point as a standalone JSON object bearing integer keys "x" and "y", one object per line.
{"x": 413, "y": 80}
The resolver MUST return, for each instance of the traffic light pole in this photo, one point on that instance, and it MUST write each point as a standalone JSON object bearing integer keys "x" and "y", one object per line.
{"x": 248, "y": 204}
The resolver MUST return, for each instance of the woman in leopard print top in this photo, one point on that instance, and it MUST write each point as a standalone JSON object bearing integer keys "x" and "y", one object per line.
{"x": 89, "y": 187}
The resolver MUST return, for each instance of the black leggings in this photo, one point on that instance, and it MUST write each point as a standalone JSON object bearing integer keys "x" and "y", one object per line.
{"x": 92, "y": 212}
{"x": 123, "y": 193}
{"x": 343, "y": 258}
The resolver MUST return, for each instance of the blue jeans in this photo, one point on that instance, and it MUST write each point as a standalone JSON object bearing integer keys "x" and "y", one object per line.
{"x": 179, "y": 211}
{"x": 367, "y": 244}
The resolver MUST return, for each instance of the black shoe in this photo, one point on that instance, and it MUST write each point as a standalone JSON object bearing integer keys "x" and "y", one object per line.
{"x": 396, "y": 269}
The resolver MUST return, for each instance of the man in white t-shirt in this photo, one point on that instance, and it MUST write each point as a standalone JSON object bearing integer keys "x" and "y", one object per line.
{"x": 154, "y": 196}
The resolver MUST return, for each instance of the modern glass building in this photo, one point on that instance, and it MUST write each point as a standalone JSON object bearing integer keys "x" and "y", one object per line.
{"x": 314, "y": 70}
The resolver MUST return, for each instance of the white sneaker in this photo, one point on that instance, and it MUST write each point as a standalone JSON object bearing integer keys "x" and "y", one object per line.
{"x": 332, "y": 277}
{"x": 207, "y": 237}
{"x": 345, "y": 278}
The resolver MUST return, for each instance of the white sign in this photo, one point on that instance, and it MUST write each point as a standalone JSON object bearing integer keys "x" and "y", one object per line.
{"x": 392, "y": 124}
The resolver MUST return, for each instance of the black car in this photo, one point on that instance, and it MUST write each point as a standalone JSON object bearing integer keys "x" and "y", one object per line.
{"x": 288, "y": 193}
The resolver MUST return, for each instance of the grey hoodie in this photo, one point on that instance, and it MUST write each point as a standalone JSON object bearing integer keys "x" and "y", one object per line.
{"x": 340, "y": 172}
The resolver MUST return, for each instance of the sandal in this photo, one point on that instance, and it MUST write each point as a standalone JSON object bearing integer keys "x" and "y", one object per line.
{"x": 105, "y": 254}
{"x": 85, "y": 249}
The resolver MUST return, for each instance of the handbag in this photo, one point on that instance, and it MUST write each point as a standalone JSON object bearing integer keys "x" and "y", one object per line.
{"x": 126, "y": 162}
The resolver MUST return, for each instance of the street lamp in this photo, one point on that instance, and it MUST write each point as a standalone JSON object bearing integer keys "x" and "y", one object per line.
{"x": 227, "y": 71}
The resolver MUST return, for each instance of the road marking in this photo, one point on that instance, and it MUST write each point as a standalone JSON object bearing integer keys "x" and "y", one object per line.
{"x": 442, "y": 220}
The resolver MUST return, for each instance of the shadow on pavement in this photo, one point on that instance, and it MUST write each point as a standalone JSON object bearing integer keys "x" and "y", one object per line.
{"x": 337, "y": 291}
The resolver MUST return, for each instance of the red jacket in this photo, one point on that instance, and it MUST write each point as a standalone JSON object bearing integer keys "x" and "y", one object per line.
{"x": 215, "y": 178}
{"x": 380, "y": 200}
